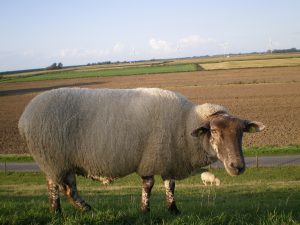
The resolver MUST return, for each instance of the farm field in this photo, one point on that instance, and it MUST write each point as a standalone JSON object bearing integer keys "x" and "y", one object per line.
{"x": 260, "y": 196}
{"x": 269, "y": 95}
{"x": 125, "y": 71}
{"x": 156, "y": 67}
{"x": 251, "y": 64}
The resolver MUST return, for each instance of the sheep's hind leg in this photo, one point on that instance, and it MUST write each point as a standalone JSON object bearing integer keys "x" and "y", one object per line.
{"x": 147, "y": 184}
{"x": 70, "y": 190}
{"x": 54, "y": 199}
{"x": 170, "y": 189}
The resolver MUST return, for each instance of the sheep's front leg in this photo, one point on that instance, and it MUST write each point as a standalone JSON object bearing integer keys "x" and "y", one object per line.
{"x": 170, "y": 189}
{"x": 70, "y": 190}
{"x": 54, "y": 199}
{"x": 147, "y": 184}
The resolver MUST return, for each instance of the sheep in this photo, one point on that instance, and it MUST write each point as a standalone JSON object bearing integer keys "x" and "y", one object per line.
{"x": 211, "y": 178}
{"x": 105, "y": 134}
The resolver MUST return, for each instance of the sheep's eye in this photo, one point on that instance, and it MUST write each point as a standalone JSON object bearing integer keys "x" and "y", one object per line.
{"x": 213, "y": 131}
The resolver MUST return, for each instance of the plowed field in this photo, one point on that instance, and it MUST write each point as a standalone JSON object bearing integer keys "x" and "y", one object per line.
{"x": 269, "y": 95}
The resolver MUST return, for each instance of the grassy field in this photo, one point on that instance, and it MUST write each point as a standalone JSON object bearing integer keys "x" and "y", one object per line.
{"x": 272, "y": 150}
{"x": 260, "y": 196}
{"x": 126, "y": 71}
{"x": 259, "y": 151}
{"x": 15, "y": 158}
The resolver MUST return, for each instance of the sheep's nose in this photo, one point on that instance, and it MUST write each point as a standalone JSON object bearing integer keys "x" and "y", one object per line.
{"x": 239, "y": 166}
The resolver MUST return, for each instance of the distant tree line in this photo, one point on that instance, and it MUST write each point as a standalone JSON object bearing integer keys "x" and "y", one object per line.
{"x": 289, "y": 50}
{"x": 99, "y": 63}
{"x": 118, "y": 62}
{"x": 55, "y": 66}
{"x": 106, "y": 63}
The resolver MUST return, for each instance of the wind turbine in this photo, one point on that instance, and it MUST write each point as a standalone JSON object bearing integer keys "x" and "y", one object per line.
{"x": 178, "y": 49}
{"x": 133, "y": 54}
{"x": 225, "y": 47}
{"x": 270, "y": 46}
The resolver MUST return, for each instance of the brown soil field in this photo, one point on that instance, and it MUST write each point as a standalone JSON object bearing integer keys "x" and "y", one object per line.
{"x": 269, "y": 95}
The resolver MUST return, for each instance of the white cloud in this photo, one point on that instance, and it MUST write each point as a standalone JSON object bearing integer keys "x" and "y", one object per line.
{"x": 161, "y": 46}
{"x": 30, "y": 53}
{"x": 118, "y": 47}
{"x": 193, "y": 41}
{"x": 76, "y": 53}
{"x": 80, "y": 53}
{"x": 182, "y": 44}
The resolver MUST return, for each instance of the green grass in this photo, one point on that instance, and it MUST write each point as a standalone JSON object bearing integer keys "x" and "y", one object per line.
{"x": 16, "y": 158}
{"x": 102, "y": 73}
{"x": 260, "y": 196}
{"x": 272, "y": 150}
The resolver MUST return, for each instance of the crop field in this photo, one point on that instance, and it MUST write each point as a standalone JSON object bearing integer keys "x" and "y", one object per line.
{"x": 252, "y": 63}
{"x": 156, "y": 67}
{"x": 100, "y": 72}
{"x": 260, "y": 196}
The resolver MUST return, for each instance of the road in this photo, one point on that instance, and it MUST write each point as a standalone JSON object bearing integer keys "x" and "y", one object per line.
{"x": 268, "y": 161}
{"x": 265, "y": 161}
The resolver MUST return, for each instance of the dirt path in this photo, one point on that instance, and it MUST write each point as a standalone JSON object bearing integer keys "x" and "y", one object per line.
{"x": 269, "y": 95}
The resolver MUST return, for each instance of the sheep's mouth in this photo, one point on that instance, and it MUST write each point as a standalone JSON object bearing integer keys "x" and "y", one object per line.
{"x": 233, "y": 170}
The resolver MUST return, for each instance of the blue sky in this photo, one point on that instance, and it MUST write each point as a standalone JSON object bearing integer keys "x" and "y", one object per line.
{"x": 36, "y": 33}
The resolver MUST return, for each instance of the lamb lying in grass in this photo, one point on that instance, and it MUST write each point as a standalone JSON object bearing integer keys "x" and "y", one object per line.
{"x": 209, "y": 177}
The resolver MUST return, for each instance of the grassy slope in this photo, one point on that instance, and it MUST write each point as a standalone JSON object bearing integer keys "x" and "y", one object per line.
{"x": 260, "y": 196}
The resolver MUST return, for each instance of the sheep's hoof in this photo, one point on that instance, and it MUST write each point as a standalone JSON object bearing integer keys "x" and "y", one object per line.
{"x": 86, "y": 208}
{"x": 173, "y": 209}
{"x": 145, "y": 210}
{"x": 57, "y": 212}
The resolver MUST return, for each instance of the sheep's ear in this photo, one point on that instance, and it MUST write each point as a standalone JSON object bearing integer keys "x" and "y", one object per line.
{"x": 253, "y": 126}
{"x": 204, "y": 128}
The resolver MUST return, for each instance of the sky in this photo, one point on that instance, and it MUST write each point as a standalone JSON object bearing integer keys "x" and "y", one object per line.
{"x": 35, "y": 33}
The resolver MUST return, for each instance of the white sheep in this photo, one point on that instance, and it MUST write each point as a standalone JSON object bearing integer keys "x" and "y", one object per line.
{"x": 106, "y": 134}
{"x": 208, "y": 177}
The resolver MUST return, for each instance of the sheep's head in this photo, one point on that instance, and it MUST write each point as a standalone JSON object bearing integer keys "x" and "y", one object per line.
{"x": 223, "y": 134}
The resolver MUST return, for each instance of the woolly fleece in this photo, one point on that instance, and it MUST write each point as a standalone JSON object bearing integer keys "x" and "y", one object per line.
{"x": 114, "y": 132}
